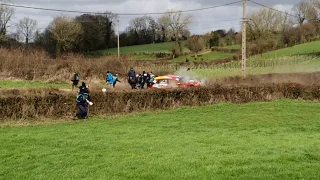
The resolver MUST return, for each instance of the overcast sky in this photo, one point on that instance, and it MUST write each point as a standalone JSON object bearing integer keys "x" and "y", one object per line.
{"x": 203, "y": 21}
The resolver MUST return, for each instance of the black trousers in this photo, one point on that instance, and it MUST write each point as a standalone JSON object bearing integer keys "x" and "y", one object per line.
{"x": 142, "y": 85}
{"x": 83, "y": 112}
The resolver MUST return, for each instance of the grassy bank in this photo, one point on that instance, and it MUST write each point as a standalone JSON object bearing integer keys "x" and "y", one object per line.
{"x": 32, "y": 84}
{"x": 274, "y": 140}
{"x": 301, "y": 49}
{"x": 294, "y": 64}
{"x": 211, "y": 56}
{"x": 157, "y": 47}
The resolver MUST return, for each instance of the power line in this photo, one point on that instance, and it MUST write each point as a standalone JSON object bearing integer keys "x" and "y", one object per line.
{"x": 120, "y": 14}
{"x": 314, "y": 20}
{"x": 227, "y": 20}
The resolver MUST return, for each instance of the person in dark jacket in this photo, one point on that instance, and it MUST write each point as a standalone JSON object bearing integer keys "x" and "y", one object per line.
{"x": 82, "y": 100}
{"x": 139, "y": 81}
{"x": 132, "y": 80}
{"x": 144, "y": 79}
{"x": 75, "y": 80}
{"x": 131, "y": 73}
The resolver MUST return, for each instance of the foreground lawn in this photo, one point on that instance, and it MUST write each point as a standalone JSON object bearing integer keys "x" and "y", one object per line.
{"x": 32, "y": 84}
{"x": 275, "y": 140}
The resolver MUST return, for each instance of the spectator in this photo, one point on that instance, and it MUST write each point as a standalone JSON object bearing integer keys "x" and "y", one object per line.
{"x": 151, "y": 79}
{"x": 115, "y": 80}
{"x": 109, "y": 79}
{"x": 132, "y": 80}
{"x": 144, "y": 79}
{"x": 82, "y": 99}
{"x": 75, "y": 80}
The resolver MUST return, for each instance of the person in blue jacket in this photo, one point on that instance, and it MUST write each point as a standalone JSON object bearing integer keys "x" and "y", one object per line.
{"x": 109, "y": 79}
{"x": 81, "y": 100}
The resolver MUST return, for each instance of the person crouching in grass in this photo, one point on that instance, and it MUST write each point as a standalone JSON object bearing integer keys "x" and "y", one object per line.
{"x": 115, "y": 80}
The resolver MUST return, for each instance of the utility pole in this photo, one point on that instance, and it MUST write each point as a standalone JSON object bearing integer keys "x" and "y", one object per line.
{"x": 118, "y": 41}
{"x": 244, "y": 38}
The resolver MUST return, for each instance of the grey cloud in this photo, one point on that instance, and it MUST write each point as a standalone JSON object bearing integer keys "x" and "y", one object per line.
{"x": 204, "y": 21}
{"x": 86, "y": 2}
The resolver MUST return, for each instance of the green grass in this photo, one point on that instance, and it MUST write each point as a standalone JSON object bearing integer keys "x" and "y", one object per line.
{"x": 255, "y": 66}
{"x": 274, "y": 140}
{"x": 32, "y": 84}
{"x": 236, "y": 46}
{"x": 306, "y": 48}
{"x": 157, "y": 47}
{"x": 144, "y": 57}
{"x": 206, "y": 57}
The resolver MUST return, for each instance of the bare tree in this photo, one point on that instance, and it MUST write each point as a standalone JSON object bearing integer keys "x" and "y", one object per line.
{"x": 145, "y": 27}
{"x": 26, "y": 28}
{"x": 177, "y": 26}
{"x": 65, "y": 31}
{"x": 108, "y": 24}
{"x": 163, "y": 28}
{"x": 301, "y": 11}
{"x": 196, "y": 44}
{"x": 6, "y": 14}
{"x": 266, "y": 22}
{"x": 316, "y": 9}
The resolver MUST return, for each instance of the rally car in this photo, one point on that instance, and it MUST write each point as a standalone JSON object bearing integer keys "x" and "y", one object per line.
{"x": 174, "y": 81}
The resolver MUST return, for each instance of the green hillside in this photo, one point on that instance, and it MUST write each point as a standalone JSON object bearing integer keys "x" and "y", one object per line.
{"x": 157, "y": 47}
{"x": 306, "y": 48}
{"x": 211, "y": 56}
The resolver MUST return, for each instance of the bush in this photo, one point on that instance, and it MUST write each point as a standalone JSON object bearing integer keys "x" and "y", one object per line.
{"x": 63, "y": 105}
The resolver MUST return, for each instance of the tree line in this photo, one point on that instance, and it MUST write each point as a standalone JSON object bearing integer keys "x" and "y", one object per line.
{"x": 267, "y": 29}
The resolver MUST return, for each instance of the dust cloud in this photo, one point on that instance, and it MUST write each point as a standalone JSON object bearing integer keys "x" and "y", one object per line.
{"x": 189, "y": 75}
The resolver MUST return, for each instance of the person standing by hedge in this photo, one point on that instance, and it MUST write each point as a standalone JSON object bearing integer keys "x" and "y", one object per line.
{"x": 151, "y": 79}
{"x": 144, "y": 79}
{"x": 132, "y": 80}
{"x": 109, "y": 80}
{"x": 82, "y": 100}
{"x": 115, "y": 80}
{"x": 75, "y": 80}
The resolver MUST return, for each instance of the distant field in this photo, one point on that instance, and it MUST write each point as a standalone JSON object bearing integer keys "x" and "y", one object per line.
{"x": 144, "y": 57}
{"x": 207, "y": 56}
{"x": 306, "y": 48}
{"x": 273, "y": 140}
{"x": 236, "y": 46}
{"x": 157, "y": 47}
{"x": 263, "y": 66}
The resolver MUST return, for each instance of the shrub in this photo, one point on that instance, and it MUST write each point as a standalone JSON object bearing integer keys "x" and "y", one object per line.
{"x": 63, "y": 104}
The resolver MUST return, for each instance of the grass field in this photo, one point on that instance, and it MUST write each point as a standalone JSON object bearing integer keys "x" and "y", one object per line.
{"x": 157, "y": 47}
{"x": 32, "y": 84}
{"x": 144, "y": 57}
{"x": 306, "y": 48}
{"x": 281, "y": 65}
{"x": 207, "y": 56}
{"x": 236, "y": 46}
{"x": 274, "y": 140}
